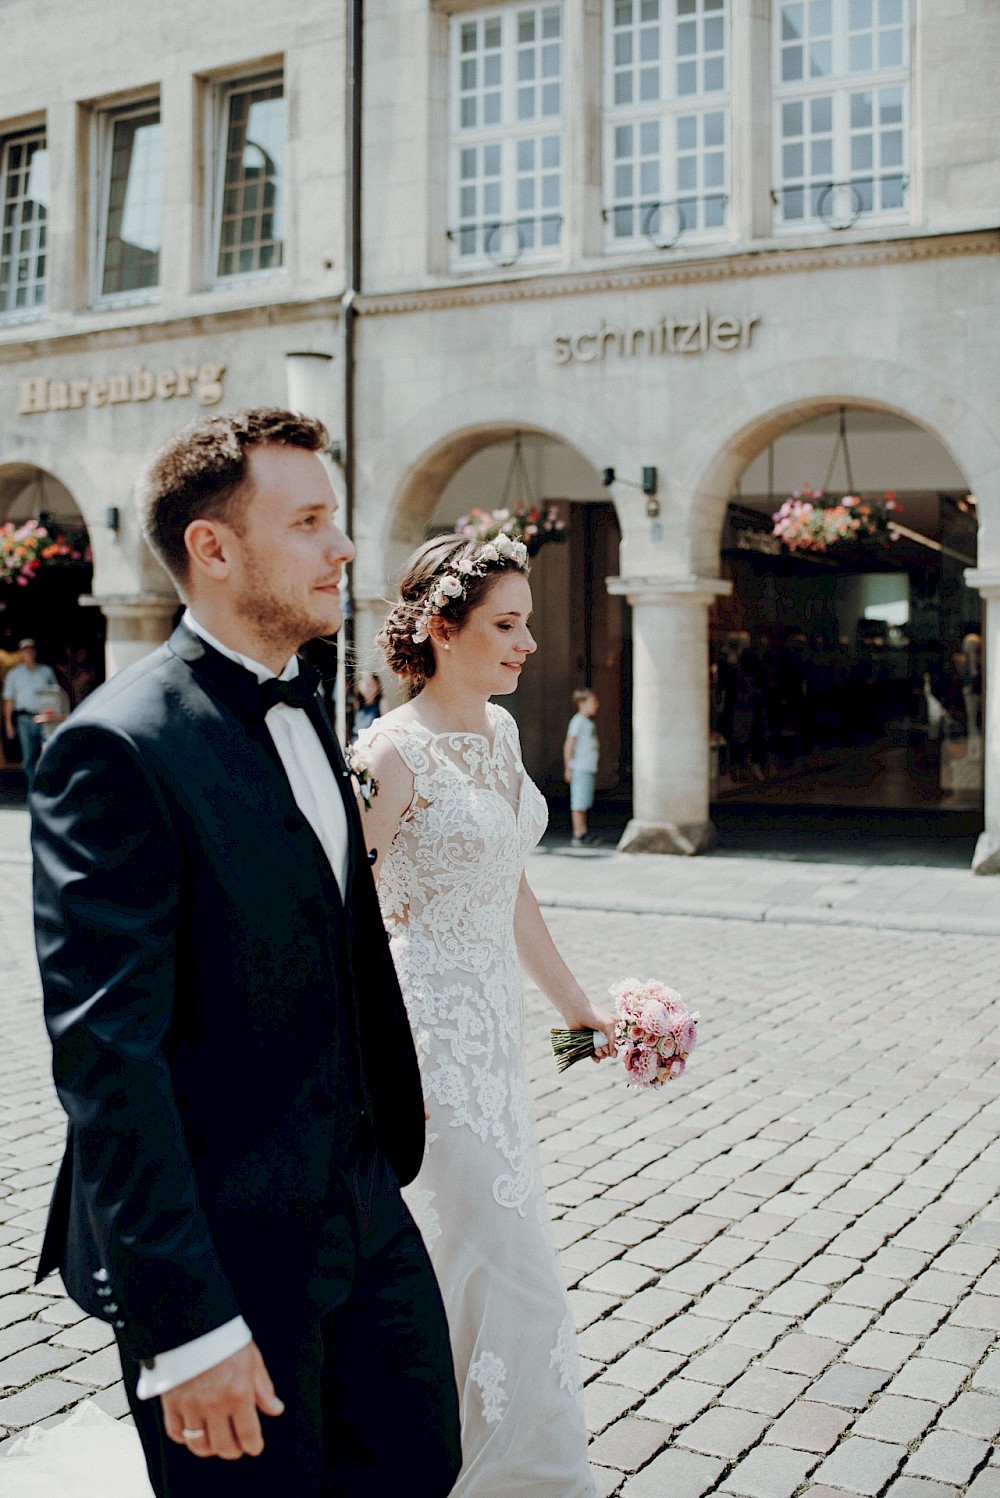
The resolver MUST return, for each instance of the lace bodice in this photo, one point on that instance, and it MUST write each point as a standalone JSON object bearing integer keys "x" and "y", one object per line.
{"x": 455, "y": 863}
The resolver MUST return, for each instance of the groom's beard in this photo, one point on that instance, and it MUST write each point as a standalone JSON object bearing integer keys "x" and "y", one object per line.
{"x": 282, "y": 623}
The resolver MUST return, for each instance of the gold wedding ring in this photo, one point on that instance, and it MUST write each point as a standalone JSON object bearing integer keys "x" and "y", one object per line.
{"x": 191, "y": 1435}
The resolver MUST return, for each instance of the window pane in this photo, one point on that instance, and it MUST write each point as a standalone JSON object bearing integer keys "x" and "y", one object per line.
{"x": 253, "y": 198}
{"x": 24, "y": 190}
{"x": 133, "y": 229}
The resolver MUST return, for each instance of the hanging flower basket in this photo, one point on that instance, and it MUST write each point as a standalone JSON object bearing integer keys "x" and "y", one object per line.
{"x": 810, "y": 520}
{"x": 29, "y": 548}
{"x": 533, "y": 526}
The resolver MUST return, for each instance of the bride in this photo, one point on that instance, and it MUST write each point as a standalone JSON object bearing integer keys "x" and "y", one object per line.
{"x": 450, "y": 827}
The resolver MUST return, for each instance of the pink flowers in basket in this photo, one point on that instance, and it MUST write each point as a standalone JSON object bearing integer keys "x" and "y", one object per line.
{"x": 654, "y": 1035}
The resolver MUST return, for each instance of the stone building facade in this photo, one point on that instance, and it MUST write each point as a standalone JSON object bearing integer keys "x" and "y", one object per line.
{"x": 645, "y": 233}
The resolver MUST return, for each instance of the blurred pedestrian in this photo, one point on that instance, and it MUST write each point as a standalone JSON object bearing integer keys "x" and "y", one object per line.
{"x": 367, "y": 701}
{"x": 581, "y": 754}
{"x": 26, "y": 695}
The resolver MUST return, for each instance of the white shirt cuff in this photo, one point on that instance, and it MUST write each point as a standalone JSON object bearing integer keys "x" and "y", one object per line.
{"x": 181, "y": 1363}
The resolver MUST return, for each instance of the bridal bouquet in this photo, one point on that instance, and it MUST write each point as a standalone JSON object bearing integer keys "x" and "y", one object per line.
{"x": 654, "y": 1035}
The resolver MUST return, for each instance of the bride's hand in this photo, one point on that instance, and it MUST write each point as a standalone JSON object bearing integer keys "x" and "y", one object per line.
{"x": 599, "y": 1019}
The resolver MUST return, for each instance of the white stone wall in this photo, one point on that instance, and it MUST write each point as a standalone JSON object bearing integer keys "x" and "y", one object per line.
{"x": 954, "y": 155}
{"x": 60, "y": 62}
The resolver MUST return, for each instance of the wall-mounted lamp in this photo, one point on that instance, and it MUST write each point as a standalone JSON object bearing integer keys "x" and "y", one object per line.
{"x": 113, "y": 519}
{"x": 648, "y": 486}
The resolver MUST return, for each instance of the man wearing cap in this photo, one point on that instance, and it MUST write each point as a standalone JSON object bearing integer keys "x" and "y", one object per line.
{"x": 26, "y": 694}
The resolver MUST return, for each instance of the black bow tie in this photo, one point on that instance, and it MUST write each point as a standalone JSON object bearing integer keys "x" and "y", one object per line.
{"x": 300, "y": 691}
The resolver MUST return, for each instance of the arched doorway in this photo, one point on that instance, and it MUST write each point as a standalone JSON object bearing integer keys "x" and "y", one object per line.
{"x": 847, "y": 679}
{"x": 43, "y": 602}
{"x": 583, "y": 631}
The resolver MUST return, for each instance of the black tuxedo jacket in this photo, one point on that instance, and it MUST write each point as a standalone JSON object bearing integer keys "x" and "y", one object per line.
{"x": 217, "y": 1014}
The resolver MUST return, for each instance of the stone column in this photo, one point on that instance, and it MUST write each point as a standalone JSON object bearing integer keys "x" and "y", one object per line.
{"x": 137, "y": 623}
{"x": 670, "y": 712}
{"x": 986, "y": 859}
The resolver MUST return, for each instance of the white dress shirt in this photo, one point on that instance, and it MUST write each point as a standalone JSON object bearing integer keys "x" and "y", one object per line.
{"x": 317, "y": 795}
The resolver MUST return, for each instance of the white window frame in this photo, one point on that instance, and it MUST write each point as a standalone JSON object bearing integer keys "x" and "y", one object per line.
{"x": 840, "y": 203}
{"x": 222, "y": 92}
{"x": 506, "y": 248}
{"x": 659, "y": 223}
{"x": 9, "y": 311}
{"x": 105, "y": 121}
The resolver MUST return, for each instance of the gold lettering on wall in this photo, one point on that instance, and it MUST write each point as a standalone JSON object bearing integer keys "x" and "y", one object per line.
{"x": 39, "y": 394}
{"x": 668, "y": 335}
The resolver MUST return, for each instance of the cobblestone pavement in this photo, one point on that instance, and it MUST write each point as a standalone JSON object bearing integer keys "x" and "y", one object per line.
{"x": 783, "y": 1266}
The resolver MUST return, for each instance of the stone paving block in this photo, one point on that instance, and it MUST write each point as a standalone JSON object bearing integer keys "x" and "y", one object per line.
{"x": 868, "y": 1290}
{"x": 686, "y": 1334}
{"x": 988, "y": 1375}
{"x": 948, "y": 1456}
{"x": 758, "y": 1330}
{"x": 892, "y": 1418}
{"x": 679, "y": 1474}
{"x": 973, "y": 1414}
{"x": 588, "y": 1307}
{"x": 22, "y": 1334}
{"x": 725, "y": 1303}
{"x": 606, "y": 1480}
{"x": 643, "y": 1368}
{"x": 980, "y": 1311}
{"x": 723, "y": 1432}
{"x": 605, "y": 1403}
{"x": 848, "y": 1386}
{"x": 34, "y": 1362}
{"x": 761, "y": 1274}
{"x": 887, "y": 1350}
{"x": 838, "y": 1322}
{"x": 629, "y": 1444}
{"x": 605, "y": 1339}
{"x": 969, "y": 1259}
{"x": 98, "y": 1370}
{"x": 113, "y": 1401}
{"x": 799, "y": 1353}
{"x": 36, "y": 1402}
{"x": 694, "y": 1277}
{"x": 796, "y": 1298}
{"x": 765, "y": 1391}
{"x": 619, "y": 1278}
{"x": 929, "y": 1378}
{"x": 921, "y": 1487}
{"x": 861, "y": 1466}
{"x": 985, "y": 1484}
{"x": 588, "y": 1254}
{"x": 770, "y": 1472}
{"x": 809, "y": 1427}
{"x": 959, "y": 1344}
{"x": 944, "y": 1289}
{"x": 654, "y": 1307}
{"x": 679, "y": 1401}
{"x": 911, "y": 1317}
{"x": 720, "y": 1364}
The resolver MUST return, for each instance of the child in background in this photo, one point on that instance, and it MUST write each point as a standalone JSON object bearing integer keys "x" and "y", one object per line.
{"x": 580, "y": 755}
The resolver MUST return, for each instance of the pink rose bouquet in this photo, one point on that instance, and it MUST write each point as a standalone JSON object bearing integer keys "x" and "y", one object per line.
{"x": 654, "y": 1035}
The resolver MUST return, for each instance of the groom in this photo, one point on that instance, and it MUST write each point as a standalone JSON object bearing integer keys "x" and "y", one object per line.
{"x": 229, "y": 1039}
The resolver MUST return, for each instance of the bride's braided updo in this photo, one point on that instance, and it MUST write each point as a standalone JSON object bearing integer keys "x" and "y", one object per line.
{"x": 403, "y": 638}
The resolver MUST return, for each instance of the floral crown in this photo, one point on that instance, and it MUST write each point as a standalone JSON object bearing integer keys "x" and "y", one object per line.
{"x": 453, "y": 586}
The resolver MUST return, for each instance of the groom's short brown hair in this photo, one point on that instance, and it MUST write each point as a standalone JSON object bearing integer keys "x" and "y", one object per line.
{"x": 201, "y": 471}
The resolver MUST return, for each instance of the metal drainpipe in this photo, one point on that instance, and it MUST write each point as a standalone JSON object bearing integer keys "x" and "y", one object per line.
{"x": 349, "y": 314}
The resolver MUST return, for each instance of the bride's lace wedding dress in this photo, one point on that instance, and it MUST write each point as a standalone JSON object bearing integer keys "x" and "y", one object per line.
{"x": 448, "y": 886}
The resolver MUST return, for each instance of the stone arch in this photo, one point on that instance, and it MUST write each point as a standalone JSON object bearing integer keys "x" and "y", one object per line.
{"x": 742, "y": 426}
{"x": 409, "y": 477}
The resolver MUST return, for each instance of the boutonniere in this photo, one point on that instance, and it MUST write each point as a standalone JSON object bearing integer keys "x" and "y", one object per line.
{"x": 360, "y": 765}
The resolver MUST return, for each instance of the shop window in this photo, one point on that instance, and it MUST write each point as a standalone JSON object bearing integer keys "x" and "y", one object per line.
{"x": 667, "y": 121}
{"x": 24, "y": 194}
{"x": 251, "y": 183}
{"x": 507, "y": 137}
{"x": 841, "y": 70}
{"x": 130, "y": 193}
